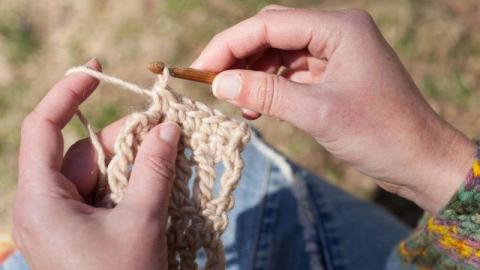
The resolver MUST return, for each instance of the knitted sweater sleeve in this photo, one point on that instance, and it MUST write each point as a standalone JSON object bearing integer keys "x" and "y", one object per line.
{"x": 451, "y": 238}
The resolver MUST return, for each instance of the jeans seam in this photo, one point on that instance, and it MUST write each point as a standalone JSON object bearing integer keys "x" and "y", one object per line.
{"x": 262, "y": 213}
{"x": 269, "y": 212}
{"x": 327, "y": 237}
{"x": 310, "y": 234}
{"x": 304, "y": 204}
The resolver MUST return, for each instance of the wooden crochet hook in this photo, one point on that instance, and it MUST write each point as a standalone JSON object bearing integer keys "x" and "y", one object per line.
{"x": 184, "y": 73}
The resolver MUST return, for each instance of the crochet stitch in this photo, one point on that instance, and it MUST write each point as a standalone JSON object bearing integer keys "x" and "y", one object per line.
{"x": 450, "y": 239}
{"x": 197, "y": 212}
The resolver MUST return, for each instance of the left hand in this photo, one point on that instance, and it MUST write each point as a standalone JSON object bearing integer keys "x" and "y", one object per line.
{"x": 53, "y": 227}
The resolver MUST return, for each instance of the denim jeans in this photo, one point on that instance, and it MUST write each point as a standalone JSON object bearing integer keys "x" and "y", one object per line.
{"x": 287, "y": 218}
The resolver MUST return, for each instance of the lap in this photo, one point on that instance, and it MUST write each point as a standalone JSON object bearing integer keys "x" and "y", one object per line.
{"x": 287, "y": 218}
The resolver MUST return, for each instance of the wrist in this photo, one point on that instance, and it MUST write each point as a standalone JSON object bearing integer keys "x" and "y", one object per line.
{"x": 443, "y": 172}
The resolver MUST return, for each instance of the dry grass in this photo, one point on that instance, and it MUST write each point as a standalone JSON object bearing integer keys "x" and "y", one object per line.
{"x": 437, "y": 40}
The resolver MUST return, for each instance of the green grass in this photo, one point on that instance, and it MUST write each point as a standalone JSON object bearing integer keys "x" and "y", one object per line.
{"x": 258, "y": 4}
{"x": 126, "y": 37}
{"x": 430, "y": 87}
{"x": 464, "y": 93}
{"x": 6, "y": 184}
{"x": 20, "y": 38}
{"x": 75, "y": 50}
{"x": 77, "y": 126}
{"x": 182, "y": 6}
{"x": 108, "y": 114}
{"x": 295, "y": 147}
{"x": 2, "y": 147}
{"x": 333, "y": 174}
{"x": 9, "y": 143}
{"x": 406, "y": 43}
{"x": 467, "y": 45}
{"x": 12, "y": 94}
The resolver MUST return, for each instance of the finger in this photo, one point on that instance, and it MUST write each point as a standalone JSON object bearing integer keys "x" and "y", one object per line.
{"x": 299, "y": 76}
{"x": 274, "y": 7}
{"x": 253, "y": 58}
{"x": 41, "y": 147}
{"x": 154, "y": 171}
{"x": 80, "y": 161}
{"x": 285, "y": 29}
{"x": 298, "y": 59}
{"x": 62, "y": 101}
{"x": 269, "y": 62}
{"x": 266, "y": 61}
{"x": 250, "y": 115}
{"x": 264, "y": 93}
{"x": 273, "y": 59}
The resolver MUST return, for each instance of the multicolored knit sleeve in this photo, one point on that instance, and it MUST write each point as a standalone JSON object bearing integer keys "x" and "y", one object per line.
{"x": 450, "y": 239}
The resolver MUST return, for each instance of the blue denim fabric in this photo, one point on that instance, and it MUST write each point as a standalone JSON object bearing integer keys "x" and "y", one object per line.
{"x": 14, "y": 262}
{"x": 395, "y": 262}
{"x": 287, "y": 218}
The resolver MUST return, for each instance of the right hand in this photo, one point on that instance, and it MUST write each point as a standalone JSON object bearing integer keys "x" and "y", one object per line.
{"x": 346, "y": 87}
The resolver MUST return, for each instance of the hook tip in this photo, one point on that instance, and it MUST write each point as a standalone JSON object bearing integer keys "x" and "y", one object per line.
{"x": 156, "y": 67}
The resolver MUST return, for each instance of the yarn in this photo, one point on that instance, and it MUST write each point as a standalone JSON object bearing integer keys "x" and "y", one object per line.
{"x": 451, "y": 238}
{"x": 197, "y": 213}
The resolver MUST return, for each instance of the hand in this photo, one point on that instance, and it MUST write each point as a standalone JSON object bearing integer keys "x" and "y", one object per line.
{"x": 344, "y": 85}
{"x": 53, "y": 227}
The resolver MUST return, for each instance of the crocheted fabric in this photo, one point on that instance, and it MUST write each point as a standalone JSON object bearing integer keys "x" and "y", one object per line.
{"x": 450, "y": 239}
{"x": 198, "y": 206}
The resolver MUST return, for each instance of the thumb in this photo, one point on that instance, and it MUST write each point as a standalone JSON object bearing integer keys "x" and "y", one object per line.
{"x": 262, "y": 92}
{"x": 154, "y": 171}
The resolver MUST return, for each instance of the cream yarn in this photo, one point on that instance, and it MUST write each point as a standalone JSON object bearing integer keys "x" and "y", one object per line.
{"x": 197, "y": 210}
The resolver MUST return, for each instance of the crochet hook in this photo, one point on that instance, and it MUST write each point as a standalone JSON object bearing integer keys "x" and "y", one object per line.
{"x": 184, "y": 73}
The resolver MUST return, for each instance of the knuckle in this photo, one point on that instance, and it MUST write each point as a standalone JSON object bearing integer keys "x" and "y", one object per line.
{"x": 325, "y": 113}
{"x": 218, "y": 37}
{"x": 271, "y": 7}
{"x": 163, "y": 168}
{"x": 28, "y": 122}
{"x": 359, "y": 14}
{"x": 25, "y": 218}
{"x": 267, "y": 92}
{"x": 74, "y": 94}
{"x": 358, "y": 18}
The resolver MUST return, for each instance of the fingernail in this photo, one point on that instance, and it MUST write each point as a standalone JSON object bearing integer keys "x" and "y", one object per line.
{"x": 169, "y": 132}
{"x": 92, "y": 62}
{"x": 249, "y": 114}
{"x": 196, "y": 64}
{"x": 227, "y": 86}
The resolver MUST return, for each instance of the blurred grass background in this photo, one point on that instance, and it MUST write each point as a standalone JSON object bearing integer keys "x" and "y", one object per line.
{"x": 438, "y": 41}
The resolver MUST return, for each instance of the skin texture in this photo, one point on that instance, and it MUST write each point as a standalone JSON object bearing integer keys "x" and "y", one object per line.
{"x": 342, "y": 83}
